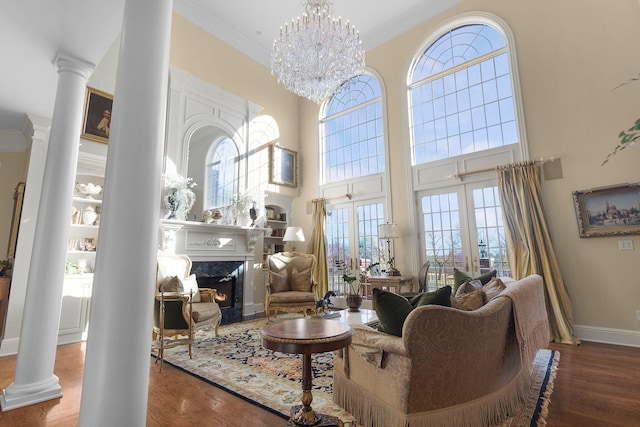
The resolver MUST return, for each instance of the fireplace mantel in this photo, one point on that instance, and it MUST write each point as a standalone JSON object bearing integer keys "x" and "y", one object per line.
{"x": 203, "y": 241}
{"x": 213, "y": 242}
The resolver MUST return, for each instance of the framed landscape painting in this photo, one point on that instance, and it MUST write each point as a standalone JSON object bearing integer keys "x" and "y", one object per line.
{"x": 283, "y": 166}
{"x": 608, "y": 211}
{"x": 97, "y": 115}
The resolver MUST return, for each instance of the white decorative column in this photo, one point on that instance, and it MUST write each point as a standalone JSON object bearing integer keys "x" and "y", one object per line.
{"x": 34, "y": 379}
{"x": 117, "y": 363}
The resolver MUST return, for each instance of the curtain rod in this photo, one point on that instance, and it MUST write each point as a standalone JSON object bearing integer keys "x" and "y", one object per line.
{"x": 347, "y": 195}
{"x": 493, "y": 168}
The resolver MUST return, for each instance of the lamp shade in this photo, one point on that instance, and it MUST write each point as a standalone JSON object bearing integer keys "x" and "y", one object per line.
{"x": 293, "y": 234}
{"x": 388, "y": 231}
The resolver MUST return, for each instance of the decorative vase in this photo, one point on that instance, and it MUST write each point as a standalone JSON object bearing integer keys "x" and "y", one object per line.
{"x": 216, "y": 215}
{"x": 354, "y": 301}
{"x": 89, "y": 216}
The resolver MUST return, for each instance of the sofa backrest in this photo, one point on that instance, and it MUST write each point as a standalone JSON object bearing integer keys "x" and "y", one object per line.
{"x": 457, "y": 356}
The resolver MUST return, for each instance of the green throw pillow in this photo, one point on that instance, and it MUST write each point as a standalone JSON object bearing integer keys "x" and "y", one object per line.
{"x": 392, "y": 310}
{"x": 460, "y": 277}
{"x": 440, "y": 296}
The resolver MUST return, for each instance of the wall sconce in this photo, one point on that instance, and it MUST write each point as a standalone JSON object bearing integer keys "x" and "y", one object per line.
{"x": 293, "y": 235}
{"x": 389, "y": 232}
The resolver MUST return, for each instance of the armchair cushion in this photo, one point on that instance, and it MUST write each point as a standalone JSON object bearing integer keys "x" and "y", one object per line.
{"x": 301, "y": 280}
{"x": 279, "y": 281}
{"x": 293, "y": 297}
{"x": 205, "y": 311}
{"x": 181, "y": 285}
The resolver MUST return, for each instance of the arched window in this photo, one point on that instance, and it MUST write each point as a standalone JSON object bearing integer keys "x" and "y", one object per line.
{"x": 461, "y": 95}
{"x": 352, "y": 150}
{"x": 463, "y": 110}
{"x": 352, "y": 131}
{"x": 222, "y": 173}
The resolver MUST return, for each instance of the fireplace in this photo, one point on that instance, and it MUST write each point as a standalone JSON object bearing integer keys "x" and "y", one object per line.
{"x": 222, "y": 258}
{"x": 227, "y": 278}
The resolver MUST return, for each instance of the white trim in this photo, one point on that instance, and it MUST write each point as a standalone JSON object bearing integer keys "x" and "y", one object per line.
{"x": 613, "y": 336}
{"x": 12, "y": 141}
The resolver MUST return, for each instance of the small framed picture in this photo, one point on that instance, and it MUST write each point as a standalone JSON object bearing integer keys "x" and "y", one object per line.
{"x": 96, "y": 125}
{"x": 608, "y": 211}
{"x": 89, "y": 244}
{"x": 283, "y": 166}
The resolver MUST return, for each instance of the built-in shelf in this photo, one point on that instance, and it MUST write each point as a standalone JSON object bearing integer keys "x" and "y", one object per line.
{"x": 86, "y": 200}
{"x": 85, "y": 226}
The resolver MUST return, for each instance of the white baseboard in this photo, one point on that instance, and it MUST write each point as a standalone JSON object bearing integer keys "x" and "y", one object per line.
{"x": 9, "y": 346}
{"x": 624, "y": 337}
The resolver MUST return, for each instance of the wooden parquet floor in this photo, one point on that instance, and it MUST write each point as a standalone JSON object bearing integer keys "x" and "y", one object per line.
{"x": 596, "y": 385}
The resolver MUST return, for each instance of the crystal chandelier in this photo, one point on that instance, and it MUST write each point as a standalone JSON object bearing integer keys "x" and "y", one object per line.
{"x": 317, "y": 54}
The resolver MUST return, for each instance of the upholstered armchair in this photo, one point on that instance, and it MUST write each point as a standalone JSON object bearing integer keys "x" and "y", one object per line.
{"x": 187, "y": 308}
{"x": 290, "y": 286}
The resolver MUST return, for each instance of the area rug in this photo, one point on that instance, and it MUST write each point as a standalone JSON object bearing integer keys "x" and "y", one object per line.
{"x": 236, "y": 362}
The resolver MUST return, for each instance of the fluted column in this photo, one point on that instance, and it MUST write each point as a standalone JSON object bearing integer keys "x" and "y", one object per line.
{"x": 34, "y": 379}
{"x": 116, "y": 378}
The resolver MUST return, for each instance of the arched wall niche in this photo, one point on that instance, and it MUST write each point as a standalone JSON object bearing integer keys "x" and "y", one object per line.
{"x": 199, "y": 115}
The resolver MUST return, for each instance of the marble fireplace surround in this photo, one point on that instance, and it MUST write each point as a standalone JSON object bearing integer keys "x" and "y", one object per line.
{"x": 215, "y": 243}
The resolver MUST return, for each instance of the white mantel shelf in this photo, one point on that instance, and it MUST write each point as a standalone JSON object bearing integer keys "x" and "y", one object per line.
{"x": 200, "y": 240}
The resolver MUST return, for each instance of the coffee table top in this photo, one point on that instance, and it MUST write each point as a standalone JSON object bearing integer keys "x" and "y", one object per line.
{"x": 305, "y": 336}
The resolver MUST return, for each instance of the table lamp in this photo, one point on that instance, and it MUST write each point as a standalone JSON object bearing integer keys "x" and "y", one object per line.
{"x": 293, "y": 235}
{"x": 389, "y": 232}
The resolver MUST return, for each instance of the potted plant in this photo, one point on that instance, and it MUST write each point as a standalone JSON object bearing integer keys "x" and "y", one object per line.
{"x": 354, "y": 296}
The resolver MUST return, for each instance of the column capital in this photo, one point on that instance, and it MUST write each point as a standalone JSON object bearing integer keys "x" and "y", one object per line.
{"x": 69, "y": 63}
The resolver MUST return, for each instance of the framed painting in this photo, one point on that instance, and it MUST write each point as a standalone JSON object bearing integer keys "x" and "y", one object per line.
{"x": 96, "y": 124}
{"x": 608, "y": 211}
{"x": 283, "y": 166}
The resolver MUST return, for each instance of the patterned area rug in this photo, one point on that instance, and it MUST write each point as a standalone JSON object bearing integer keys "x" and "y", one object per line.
{"x": 237, "y": 362}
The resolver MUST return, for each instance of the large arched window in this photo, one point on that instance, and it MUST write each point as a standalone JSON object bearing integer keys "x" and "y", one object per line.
{"x": 222, "y": 174}
{"x": 353, "y": 134}
{"x": 464, "y": 113}
{"x": 461, "y": 95}
{"x": 352, "y": 153}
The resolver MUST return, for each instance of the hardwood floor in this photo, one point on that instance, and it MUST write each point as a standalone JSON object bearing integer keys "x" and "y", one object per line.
{"x": 596, "y": 385}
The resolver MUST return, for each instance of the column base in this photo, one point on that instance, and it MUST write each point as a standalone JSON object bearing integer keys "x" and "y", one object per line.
{"x": 16, "y": 396}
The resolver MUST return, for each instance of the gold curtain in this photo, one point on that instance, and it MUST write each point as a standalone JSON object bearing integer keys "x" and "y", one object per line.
{"x": 318, "y": 246}
{"x": 529, "y": 244}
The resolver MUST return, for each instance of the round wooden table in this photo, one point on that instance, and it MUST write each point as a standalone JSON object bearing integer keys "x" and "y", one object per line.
{"x": 307, "y": 336}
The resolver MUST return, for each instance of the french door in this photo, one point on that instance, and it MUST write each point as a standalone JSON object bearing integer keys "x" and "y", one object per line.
{"x": 352, "y": 240}
{"x": 462, "y": 227}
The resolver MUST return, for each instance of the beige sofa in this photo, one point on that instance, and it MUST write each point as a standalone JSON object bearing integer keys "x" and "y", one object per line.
{"x": 450, "y": 367}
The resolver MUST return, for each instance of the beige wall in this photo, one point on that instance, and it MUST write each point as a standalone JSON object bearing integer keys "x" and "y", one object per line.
{"x": 12, "y": 171}
{"x": 570, "y": 55}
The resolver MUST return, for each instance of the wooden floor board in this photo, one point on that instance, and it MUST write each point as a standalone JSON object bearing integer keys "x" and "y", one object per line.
{"x": 597, "y": 385}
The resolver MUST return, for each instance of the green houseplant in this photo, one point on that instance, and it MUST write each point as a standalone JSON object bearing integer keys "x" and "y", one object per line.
{"x": 629, "y": 137}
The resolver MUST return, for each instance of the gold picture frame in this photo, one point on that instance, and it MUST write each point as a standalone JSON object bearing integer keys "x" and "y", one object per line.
{"x": 18, "y": 200}
{"x": 96, "y": 124}
{"x": 283, "y": 166}
{"x": 608, "y": 211}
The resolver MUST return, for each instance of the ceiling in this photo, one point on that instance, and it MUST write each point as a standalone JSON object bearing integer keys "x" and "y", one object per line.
{"x": 34, "y": 31}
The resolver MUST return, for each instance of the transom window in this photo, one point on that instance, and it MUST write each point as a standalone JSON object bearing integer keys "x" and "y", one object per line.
{"x": 353, "y": 135}
{"x": 461, "y": 95}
